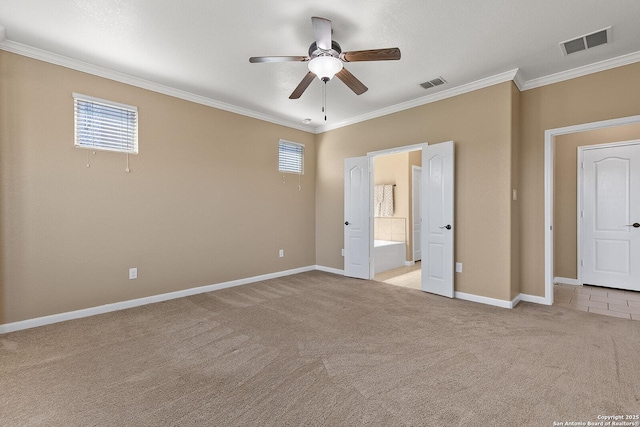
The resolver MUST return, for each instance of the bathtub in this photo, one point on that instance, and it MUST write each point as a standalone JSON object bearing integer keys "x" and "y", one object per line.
{"x": 388, "y": 255}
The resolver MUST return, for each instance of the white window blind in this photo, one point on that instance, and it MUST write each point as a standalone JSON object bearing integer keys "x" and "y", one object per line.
{"x": 105, "y": 125}
{"x": 290, "y": 157}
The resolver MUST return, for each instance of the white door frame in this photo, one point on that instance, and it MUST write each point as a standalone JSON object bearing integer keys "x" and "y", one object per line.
{"x": 415, "y": 169}
{"x": 580, "y": 189}
{"x": 549, "y": 140}
{"x": 372, "y": 155}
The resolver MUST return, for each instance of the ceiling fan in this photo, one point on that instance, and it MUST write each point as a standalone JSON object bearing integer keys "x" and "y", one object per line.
{"x": 326, "y": 59}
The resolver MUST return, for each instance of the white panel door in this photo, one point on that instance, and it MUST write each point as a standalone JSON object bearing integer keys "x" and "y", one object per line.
{"x": 611, "y": 217}
{"x": 356, "y": 218}
{"x": 437, "y": 218}
{"x": 417, "y": 212}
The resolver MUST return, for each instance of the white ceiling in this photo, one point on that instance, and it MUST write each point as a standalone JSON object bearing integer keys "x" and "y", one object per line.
{"x": 202, "y": 47}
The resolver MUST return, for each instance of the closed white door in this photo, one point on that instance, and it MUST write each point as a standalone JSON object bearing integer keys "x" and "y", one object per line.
{"x": 437, "y": 218}
{"x": 356, "y": 218}
{"x": 611, "y": 216}
{"x": 417, "y": 212}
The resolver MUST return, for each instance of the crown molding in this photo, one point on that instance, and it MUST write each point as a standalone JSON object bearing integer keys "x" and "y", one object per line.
{"x": 607, "y": 64}
{"x": 519, "y": 80}
{"x": 106, "y": 73}
{"x": 449, "y": 93}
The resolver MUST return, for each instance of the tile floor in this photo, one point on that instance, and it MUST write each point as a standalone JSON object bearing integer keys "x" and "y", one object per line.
{"x": 594, "y": 299}
{"x": 401, "y": 276}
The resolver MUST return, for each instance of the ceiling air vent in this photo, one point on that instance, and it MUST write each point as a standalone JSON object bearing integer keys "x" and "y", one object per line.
{"x": 433, "y": 83}
{"x": 586, "y": 42}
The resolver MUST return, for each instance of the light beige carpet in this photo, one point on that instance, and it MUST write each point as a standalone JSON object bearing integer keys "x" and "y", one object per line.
{"x": 316, "y": 349}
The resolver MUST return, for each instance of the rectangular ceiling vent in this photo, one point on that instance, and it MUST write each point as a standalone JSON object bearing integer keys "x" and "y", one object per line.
{"x": 587, "y": 41}
{"x": 433, "y": 83}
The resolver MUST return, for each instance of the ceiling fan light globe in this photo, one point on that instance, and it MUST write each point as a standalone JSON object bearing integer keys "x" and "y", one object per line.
{"x": 325, "y": 67}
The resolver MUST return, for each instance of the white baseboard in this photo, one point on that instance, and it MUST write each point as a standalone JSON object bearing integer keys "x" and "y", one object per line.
{"x": 409, "y": 263}
{"x": 566, "y": 281}
{"x": 107, "y": 308}
{"x": 516, "y": 300}
{"x": 330, "y": 270}
{"x": 484, "y": 300}
{"x": 534, "y": 299}
{"x": 502, "y": 303}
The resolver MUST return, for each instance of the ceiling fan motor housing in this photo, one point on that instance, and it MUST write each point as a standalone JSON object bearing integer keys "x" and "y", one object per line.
{"x": 335, "y": 51}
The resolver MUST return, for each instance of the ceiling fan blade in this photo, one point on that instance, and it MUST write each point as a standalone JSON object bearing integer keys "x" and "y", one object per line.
{"x": 322, "y": 32}
{"x": 389, "y": 54}
{"x": 304, "y": 84}
{"x": 351, "y": 81}
{"x": 256, "y": 59}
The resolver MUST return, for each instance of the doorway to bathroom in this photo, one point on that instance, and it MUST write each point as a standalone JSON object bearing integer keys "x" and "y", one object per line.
{"x": 397, "y": 218}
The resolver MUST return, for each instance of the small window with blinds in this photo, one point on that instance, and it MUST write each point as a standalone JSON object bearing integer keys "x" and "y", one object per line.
{"x": 290, "y": 157}
{"x": 105, "y": 125}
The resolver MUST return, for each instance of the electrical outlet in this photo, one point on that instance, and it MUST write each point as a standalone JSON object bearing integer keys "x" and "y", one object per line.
{"x": 342, "y": 252}
{"x": 458, "y": 267}
{"x": 133, "y": 273}
{"x": 281, "y": 253}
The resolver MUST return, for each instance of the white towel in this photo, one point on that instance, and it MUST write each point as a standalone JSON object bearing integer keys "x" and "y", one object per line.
{"x": 378, "y": 195}
{"x": 386, "y": 209}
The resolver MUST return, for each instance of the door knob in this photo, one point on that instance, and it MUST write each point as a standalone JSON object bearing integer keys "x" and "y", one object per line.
{"x": 448, "y": 227}
{"x": 634, "y": 225}
{"x": 346, "y": 223}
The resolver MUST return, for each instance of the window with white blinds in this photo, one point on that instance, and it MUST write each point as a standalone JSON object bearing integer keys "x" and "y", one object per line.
{"x": 290, "y": 157}
{"x": 105, "y": 125}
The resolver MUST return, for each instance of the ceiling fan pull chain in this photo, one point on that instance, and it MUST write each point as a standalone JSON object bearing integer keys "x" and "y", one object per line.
{"x": 324, "y": 100}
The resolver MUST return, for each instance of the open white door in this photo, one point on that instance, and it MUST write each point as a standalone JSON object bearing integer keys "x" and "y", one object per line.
{"x": 356, "y": 218}
{"x": 611, "y": 216}
{"x": 437, "y": 219}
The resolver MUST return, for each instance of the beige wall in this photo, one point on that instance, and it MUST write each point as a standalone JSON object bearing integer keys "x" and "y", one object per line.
{"x": 204, "y": 202}
{"x": 565, "y": 191}
{"x": 606, "y": 95}
{"x": 480, "y": 124}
